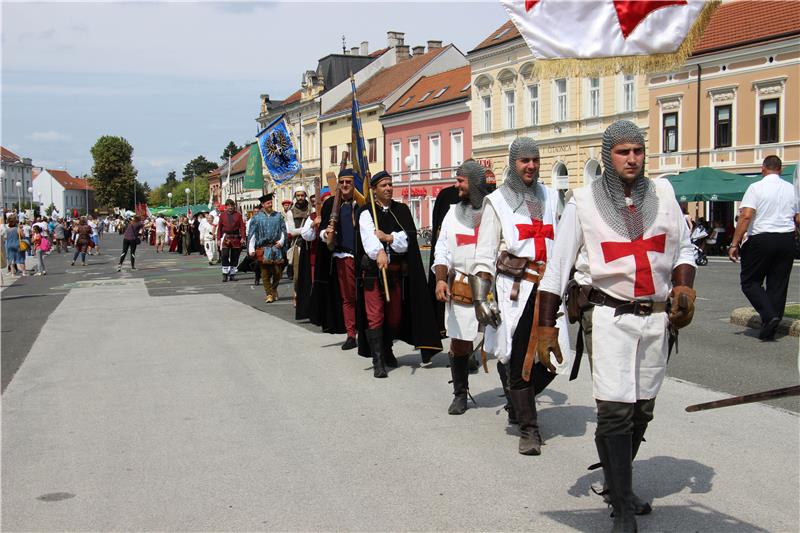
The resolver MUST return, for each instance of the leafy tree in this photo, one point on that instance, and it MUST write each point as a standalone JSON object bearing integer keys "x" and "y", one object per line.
{"x": 171, "y": 179}
{"x": 230, "y": 150}
{"x": 113, "y": 174}
{"x": 199, "y": 166}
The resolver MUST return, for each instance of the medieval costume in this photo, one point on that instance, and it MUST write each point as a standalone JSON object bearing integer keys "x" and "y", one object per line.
{"x": 518, "y": 218}
{"x": 266, "y": 238}
{"x": 446, "y": 197}
{"x": 183, "y": 230}
{"x": 626, "y": 237}
{"x": 230, "y": 234}
{"x": 295, "y": 218}
{"x": 208, "y": 232}
{"x": 305, "y": 266}
{"x": 175, "y": 241}
{"x": 408, "y": 315}
{"x": 453, "y": 256}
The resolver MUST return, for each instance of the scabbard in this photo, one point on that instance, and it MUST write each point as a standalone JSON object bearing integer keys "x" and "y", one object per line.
{"x": 533, "y": 340}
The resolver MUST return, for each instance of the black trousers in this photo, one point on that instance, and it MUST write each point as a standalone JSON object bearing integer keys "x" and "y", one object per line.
{"x": 128, "y": 245}
{"x": 230, "y": 257}
{"x": 766, "y": 266}
{"x": 540, "y": 376}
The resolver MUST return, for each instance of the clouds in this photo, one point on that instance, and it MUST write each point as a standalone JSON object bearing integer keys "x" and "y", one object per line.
{"x": 48, "y": 136}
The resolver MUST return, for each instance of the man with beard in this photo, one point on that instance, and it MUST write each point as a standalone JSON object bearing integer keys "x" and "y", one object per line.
{"x": 333, "y": 296}
{"x": 518, "y": 218}
{"x": 453, "y": 257}
{"x": 306, "y": 262}
{"x": 295, "y": 218}
{"x": 626, "y": 237}
{"x": 267, "y": 235}
{"x": 389, "y": 244}
{"x": 230, "y": 233}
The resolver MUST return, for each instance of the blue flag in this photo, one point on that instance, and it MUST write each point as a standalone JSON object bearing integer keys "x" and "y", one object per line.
{"x": 359, "y": 155}
{"x": 277, "y": 151}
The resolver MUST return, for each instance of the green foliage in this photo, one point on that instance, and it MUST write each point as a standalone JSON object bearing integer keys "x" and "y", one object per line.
{"x": 230, "y": 150}
{"x": 171, "y": 179}
{"x": 199, "y": 166}
{"x": 50, "y": 209}
{"x": 159, "y": 195}
{"x": 113, "y": 174}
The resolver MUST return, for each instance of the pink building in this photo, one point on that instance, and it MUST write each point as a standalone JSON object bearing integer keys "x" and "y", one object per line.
{"x": 430, "y": 122}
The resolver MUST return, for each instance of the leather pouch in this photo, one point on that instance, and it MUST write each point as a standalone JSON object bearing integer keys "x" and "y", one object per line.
{"x": 511, "y": 265}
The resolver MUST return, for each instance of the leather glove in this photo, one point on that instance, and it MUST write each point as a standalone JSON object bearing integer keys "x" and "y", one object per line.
{"x": 486, "y": 311}
{"x": 681, "y": 310}
{"x": 547, "y": 342}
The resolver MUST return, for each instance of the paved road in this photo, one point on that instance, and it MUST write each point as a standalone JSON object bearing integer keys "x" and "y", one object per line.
{"x": 166, "y": 400}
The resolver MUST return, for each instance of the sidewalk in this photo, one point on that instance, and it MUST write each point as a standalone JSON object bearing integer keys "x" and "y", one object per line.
{"x": 143, "y": 416}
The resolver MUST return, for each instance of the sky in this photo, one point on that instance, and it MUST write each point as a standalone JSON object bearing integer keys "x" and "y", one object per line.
{"x": 182, "y": 79}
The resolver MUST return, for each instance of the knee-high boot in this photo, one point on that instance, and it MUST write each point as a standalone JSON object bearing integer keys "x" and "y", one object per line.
{"x": 375, "y": 340}
{"x": 502, "y": 371}
{"x": 530, "y": 441}
{"x": 615, "y": 452}
{"x": 388, "y": 352}
{"x": 459, "y": 369}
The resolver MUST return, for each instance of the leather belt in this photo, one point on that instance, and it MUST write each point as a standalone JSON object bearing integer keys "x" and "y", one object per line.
{"x": 533, "y": 273}
{"x": 636, "y": 307}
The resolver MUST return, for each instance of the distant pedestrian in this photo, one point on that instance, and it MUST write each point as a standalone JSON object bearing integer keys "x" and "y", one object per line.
{"x": 82, "y": 236}
{"x": 60, "y": 236}
{"x": 769, "y": 215}
{"x": 13, "y": 237}
{"x": 161, "y": 233}
{"x": 130, "y": 239}
{"x": 41, "y": 245}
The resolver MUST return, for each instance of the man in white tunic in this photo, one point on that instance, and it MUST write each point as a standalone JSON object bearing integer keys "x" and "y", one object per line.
{"x": 519, "y": 223}
{"x": 453, "y": 258}
{"x": 625, "y": 236}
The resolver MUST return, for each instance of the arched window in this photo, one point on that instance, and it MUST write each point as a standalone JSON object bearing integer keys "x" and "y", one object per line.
{"x": 591, "y": 171}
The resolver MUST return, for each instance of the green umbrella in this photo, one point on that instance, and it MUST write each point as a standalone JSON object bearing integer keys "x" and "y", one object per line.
{"x": 711, "y": 184}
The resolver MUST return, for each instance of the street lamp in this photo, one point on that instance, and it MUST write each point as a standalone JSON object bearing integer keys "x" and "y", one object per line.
{"x": 30, "y": 191}
{"x": 169, "y": 199}
{"x": 187, "y": 190}
{"x": 3, "y": 189}
{"x": 19, "y": 196}
{"x": 39, "y": 196}
{"x": 409, "y": 160}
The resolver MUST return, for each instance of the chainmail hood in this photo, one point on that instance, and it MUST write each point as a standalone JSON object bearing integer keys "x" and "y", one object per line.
{"x": 527, "y": 200}
{"x": 629, "y": 217}
{"x": 469, "y": 212}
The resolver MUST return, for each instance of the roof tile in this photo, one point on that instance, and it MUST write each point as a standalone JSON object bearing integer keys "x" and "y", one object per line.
{"x": 453, "y": 80}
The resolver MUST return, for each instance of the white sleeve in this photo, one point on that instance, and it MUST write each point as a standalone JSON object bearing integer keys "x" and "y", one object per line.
{"x": 400, "y": 242}
{"x": 441, "y": 252}
{"x": 308, "y": 232}
{"x": 567, "y": 244}
{"x": 291, "y": 229}
{"x": 369, "y": 241}
{"x": 488, "y": 241}
{"x": 750, "y": 198}
{"x": 685, "y": 253}
{"x": 251, "y": 244}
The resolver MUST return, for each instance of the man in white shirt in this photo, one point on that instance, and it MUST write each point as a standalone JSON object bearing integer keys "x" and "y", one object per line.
{"x": 769, "y": 215}
{"x": 161, "y": 233}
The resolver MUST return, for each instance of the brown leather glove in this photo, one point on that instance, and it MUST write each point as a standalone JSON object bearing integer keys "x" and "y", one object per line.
{"x": 547, "y": 342}
{"x": 681, "y": 306}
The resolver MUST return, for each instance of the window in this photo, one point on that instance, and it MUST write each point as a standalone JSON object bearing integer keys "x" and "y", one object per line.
{"x": 407, "y": 100}
{"x": 435, "y": 156}
{"x": 722, "y": 126}
{"x": 456, "y": 148}
{"x": 425, "y": 96}
{"x": 594, "y": 97}
{"x": 499, "y": 35}
{"x": 413, "y": 150}
{"x": 769, "y": 121}
{"x": 533, "y": 95}
{"x": 628, "y": 94}
{"x": 510, "y": 122}
{"x": 464, "y": 88}
{"x": 670, "y": 135}
{"x": 396, "y": 168}
{"x": 561, "y": 100}
{"x": 334, "y": 155}
{"x": 440, "y": 92}
{"x": 487, "y": 113}
{"x": 416, "y": 210}
{"x": 373, "y": 150}
{"x": 350, "y": 153}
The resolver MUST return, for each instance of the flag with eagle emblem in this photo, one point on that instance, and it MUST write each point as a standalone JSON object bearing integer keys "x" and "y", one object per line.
{"x": 278, "y": 153}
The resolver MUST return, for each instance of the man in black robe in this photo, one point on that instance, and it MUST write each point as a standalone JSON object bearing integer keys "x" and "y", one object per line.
{"x": 392, "y": 247}
{"x": 306, "y": 261}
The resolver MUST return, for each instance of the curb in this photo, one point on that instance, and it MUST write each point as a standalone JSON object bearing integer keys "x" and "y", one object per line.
{"x": 747, "y": 317}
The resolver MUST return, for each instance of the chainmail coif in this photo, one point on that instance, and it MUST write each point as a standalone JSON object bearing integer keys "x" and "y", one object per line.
{"x": 526, "y": 200}
{"x": 609, "y": 191}
{"x": 468, "y": 212}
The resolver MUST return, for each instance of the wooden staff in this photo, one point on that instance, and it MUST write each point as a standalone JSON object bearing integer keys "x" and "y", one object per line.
{"x": 375, "y": 219}
{"x": 747, "y": 398}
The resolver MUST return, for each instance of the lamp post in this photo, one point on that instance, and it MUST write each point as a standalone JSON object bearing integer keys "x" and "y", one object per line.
{"x": 409, "y": 160}
{"x": 169, "y": 199}
{"x": 39, "y": 196}
{"x": 3, "y": 189}
{"x": 187, "y": 190}
{"x": 30, "y": 192}
{"x": 194, "y": 189}
{"x": 19, "y": 196}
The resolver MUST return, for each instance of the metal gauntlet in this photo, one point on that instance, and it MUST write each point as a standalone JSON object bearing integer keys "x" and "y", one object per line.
{"x": 486, "y": 311}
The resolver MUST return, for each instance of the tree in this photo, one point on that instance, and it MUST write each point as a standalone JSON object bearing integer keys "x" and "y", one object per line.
{"x": 113, "y": 174}
{"x": 171, "y": 179}
{"x": 199, "y": 166}
{"x": 230, "y": 150}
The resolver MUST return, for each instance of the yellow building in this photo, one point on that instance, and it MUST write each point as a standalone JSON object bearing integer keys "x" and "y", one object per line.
{"x": 566, "y": 116}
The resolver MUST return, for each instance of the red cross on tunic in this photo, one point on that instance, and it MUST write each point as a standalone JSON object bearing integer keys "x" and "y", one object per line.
{"x": 463, "y": 239}
{"x": 643, "y": 284}
{"x": 629, "y": 12}
{"x": 538, "y": 232}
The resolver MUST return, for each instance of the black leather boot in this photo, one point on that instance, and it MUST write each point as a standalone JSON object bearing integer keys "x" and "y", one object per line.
{"x": 615, "y": 453}
{"x": 502, "y": 371}
{"x": 388, "y": 353}
{"x": 459, "y": 369}
{"x": 640, "y": 507}
{"x": 530, "y": 441}
{"x": 375, "y": 340}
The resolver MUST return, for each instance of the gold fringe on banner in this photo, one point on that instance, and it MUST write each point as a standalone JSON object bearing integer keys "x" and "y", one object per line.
{"x": 644, "y": 64}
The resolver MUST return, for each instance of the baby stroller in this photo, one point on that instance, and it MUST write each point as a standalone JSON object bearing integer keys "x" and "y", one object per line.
{"x": 698, "y": 236}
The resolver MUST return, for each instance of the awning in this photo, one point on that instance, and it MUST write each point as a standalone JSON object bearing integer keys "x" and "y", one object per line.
{"x": 710, "y": 184}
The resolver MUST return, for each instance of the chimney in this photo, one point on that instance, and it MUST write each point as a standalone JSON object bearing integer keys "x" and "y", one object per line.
{"x": 417, "y": 51}
{"x": 394, "y": 38}
{"x": 354, "y": 51}
{"x": 402, "y": 52}
{"x": 434, "y": 44}
{"x": 364, "y": 48}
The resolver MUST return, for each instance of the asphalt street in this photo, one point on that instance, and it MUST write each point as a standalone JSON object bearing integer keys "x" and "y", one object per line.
{"x": 163, "y": 399}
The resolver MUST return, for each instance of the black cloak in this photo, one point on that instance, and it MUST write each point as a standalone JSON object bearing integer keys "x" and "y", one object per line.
{"x": 417, "y": 326}
{"x": 446, "y": 197}
{"x": 303, "y": 287}
{"x": 325, "y": 305}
